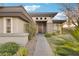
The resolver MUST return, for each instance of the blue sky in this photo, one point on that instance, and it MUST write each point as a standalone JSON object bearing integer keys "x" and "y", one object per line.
{"x": 41, "y": 7}
{"x": 37, "y": 7}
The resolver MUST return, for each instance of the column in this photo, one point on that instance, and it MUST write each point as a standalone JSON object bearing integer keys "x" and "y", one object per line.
{"x": 49, "y": 27}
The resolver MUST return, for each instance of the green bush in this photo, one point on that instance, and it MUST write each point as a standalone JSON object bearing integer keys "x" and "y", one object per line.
{"x": 70, "y": 46}
{"x": 75, "y": 33}
{"x": 64, "y": 51}
{"x": 5, "y": 54}
{"x": 31, "y": 29}
{"x": 54, "y": 33}
{"x": 9, "y": 48}
{"x": 48, "y": 34}
{"x": 22, "y": 51}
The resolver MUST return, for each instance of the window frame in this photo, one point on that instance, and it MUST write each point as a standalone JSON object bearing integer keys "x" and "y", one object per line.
{"x": 5, "y": 24}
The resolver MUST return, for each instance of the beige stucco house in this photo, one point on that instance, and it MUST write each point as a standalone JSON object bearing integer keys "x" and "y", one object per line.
{"x": 14, "y": 18}
{"x": 12, "y": 25}
{"x": 46, "y": 23}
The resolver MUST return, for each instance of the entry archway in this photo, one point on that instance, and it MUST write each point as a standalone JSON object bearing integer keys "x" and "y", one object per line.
{"x": 41, "y": 26}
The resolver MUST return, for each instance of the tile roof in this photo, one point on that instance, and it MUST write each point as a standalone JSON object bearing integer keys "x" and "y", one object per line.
{"x": 17, "y": 11}
{"x": 45, "y": 14}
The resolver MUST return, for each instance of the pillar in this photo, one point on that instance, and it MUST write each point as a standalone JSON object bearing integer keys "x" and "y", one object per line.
{"x": 49, "y": 27}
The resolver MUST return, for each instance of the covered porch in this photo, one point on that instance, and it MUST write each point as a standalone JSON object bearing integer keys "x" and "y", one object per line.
{"x": 41, "y": 26}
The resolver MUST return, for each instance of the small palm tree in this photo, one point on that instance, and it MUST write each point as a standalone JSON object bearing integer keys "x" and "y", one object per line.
{"x": 68, "y": 46}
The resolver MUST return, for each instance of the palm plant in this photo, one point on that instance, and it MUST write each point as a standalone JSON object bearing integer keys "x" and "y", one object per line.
{"x": 69, "y": 46}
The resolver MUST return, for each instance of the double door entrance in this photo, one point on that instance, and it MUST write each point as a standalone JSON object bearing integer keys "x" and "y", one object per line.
{"x": 41, "y": 26}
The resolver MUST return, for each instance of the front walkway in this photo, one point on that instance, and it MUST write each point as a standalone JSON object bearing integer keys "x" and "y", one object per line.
{"x": 42, "y": 46}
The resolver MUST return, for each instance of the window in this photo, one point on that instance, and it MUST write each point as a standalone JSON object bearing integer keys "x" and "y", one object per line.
{"x": 45, "y": 18}
{"x": 8, "y": 25}
{"x": 41, "y": 18}
{"x": 36, "y": 18}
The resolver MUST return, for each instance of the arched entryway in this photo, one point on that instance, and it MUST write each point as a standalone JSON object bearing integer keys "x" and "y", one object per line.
{"x": 41, "y": 26}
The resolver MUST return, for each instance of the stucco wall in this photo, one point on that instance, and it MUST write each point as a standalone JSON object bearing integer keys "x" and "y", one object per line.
{"x": 58, "y": 28}
{"x": 55, "y": 28}
{"x": 18, "y": 25}
{"x": 19, "y": 38}
{"x": 1, "y": 24}
{"x": 49, "y": 27}
{"x": 43, "y": 19}
{"x": 18, "y": 35}
{"x": 49, "y": 23}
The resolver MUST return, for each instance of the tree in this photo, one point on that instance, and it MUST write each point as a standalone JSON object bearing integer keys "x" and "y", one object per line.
{"x": 72, "y": 12}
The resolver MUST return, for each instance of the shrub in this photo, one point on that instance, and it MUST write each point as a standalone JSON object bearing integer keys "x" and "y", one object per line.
{"x": 75, "y": 33}
{"x": 31, "y": 29}
{"x": 63, "y": 51}
{"x": 8, "y": 48}
{"x": 48, "y": 34}
{"x": 54, "y": 33}
{"x": 22, "y": 51}
{"x": 5, "y": 54}
{"x": 66, "y": 47}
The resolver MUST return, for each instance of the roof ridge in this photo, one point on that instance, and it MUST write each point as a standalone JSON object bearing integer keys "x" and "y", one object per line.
{"x": 10, "y": 6}
{"x": 42, "y": 12}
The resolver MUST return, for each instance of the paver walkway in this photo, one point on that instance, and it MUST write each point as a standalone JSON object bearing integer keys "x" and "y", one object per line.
{"x": 42, "y": 46}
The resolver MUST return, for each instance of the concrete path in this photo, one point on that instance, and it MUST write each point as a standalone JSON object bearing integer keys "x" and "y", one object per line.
{"x": 42, "y": 46}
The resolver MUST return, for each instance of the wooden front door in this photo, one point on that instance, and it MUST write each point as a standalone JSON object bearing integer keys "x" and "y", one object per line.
{"x": 41, "y": 27}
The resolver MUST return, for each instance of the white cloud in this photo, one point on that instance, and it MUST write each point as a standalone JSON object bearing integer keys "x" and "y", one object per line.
{"x": 32, "y": 7}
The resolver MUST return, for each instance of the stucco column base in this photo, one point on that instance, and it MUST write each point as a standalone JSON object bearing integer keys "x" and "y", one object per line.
{"x": 19, "y": 38}
{"x": 49, "y": 27}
